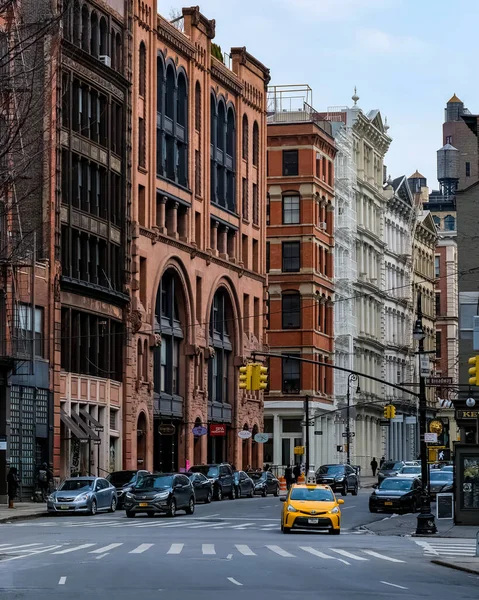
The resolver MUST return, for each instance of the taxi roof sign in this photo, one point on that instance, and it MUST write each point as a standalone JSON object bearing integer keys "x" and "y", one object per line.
{"x": 311, "y": 478}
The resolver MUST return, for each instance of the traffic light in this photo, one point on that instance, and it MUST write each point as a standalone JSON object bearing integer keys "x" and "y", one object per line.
{"x": 474, "y": 370}
{"x": 387, "y": 412}
{"x": 259, "y": 380}
{"x": 392, "y": 411}
{"x": 245, "y": 377}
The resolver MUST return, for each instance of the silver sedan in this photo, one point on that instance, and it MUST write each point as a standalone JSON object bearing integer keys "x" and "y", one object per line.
{"x": 83, "y": 494}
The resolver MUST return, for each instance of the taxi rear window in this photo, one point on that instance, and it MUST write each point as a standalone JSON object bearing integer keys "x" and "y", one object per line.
{"x": 312, "y": 495}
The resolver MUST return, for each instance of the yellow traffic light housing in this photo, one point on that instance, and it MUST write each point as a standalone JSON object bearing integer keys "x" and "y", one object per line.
{"x": 474, "y": 370}
{"x": 259, "y": 378}
{"x": 387, "y": 412}
{"x": 245, "y": 377}
{"x": 392, "y": 411}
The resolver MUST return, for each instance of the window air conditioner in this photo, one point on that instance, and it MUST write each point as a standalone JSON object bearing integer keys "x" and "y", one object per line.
{"x": 322, "y": 225}
{"x": 105, "y": 59}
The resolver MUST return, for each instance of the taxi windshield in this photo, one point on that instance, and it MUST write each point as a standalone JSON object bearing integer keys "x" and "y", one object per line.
{"x": 312, "y": 495}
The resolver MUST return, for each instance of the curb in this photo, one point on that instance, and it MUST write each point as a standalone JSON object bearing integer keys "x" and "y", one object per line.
{"x": 443, "y": 563}
{"x": 20, "y": 517}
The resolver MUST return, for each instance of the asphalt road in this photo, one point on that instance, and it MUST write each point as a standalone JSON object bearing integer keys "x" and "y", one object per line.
{"x": 229, "y": 548}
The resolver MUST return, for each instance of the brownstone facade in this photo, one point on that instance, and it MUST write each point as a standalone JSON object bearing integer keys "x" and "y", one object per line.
{"x": 198, "y": 255}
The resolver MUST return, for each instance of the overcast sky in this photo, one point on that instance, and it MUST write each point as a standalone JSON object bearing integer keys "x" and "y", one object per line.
{"x": 406, "y": 57}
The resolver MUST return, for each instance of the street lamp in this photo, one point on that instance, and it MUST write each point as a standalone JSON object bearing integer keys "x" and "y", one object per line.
{"x": 425, "y": 519}
{"x": 351, "y": 377}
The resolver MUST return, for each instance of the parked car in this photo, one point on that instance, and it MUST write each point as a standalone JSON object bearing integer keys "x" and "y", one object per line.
{"x": 221, "y": 476}
{"x": 412, "y": 463}
{"x": 339, "y": 477}
{"x": 161, "y": 493}
{"x": 440, "y": 482}
{"x": 83, "y": 494}
{"x": 123, "y": 481}
{"x": 389, "y": 469}
{"x": 244, "y": 485}
{"x": 397, "y": 494}
{"x": 265, "y": 483}
{"x": 448, "y": 468}
{"x": 202, "y": 486}
{"x": 408, "y": 471}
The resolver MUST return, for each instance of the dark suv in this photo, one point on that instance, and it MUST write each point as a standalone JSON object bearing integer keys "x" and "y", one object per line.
{"x": 123, "y": 481}
{"x": 390, "y": 468}
{"x": 221, "y": 477}
{"x": 339, "y": 477}
{"x": 161, "y": 493}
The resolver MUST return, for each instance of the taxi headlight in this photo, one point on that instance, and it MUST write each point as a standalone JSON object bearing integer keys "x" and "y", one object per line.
{"x": 291, "y": 508}
{"x": 334, "y": 510}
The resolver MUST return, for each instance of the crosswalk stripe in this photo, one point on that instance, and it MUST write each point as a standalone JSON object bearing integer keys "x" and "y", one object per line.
{"x": 141, "y": 548}
{"x": 105, "y": 549}
{"x": 208, "y": 549}
{"x": 10, "y": 547}
{"x": 245, "y": 550}
{"x": 317, "y": 553}
{"x": 74, "y": 549}
{"x": 382, "y": 556}
{"x": 348, "y": 554}
{"x": 203, "y": 525}
{"x": 280, "y": 551}
{"x": 175, "y": 549}
{"x": 242, "y": 526}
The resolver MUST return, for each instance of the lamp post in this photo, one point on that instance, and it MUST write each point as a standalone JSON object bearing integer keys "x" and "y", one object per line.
{"x": 425, "y": 519}
{"x": 351, "y": 377}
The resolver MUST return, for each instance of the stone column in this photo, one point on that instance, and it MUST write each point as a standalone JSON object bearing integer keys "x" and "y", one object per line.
{"x": 223, "y": 242}
{"x": 172, "y": 224}
{"x": 277, "y": 448}
{"x": 214, "y": 237}
{"x": 161, "y": 216}
{"x": 231, "y": 246}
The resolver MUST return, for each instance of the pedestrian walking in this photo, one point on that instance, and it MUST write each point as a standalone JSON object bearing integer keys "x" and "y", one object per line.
{"x": 381, "y": 462}
{"x": 374, "y": 466}
{"x": 296, "y": 473}
{"x": 288, "y": 475}
{"x": 12, "y": 486}
{"x": 44, "y": 478}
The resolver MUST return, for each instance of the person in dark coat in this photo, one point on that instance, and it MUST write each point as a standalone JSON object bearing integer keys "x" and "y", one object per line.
{"x": 382, "y": 461}
{"x": 296, "y": 473}
{"x": 374, "y": 466}
{"x": 288, "y": 475}
{"x": 12, "y": 485}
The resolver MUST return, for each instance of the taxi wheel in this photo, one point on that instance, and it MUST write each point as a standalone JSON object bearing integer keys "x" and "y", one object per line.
{"x": 344, "y": 491}
{"x": 286, "y": 529}
{"x": 276, "y": 492}
{"x": 355, "y": 491}
{"x": 334, "y": 531}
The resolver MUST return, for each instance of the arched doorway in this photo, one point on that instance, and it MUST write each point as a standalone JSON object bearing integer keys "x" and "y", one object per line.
{"x": 141, "y": 435}
{"x": 169, "y": 371}
{"x": 255, "y": 449}
{"x": 221, "y": 392}
{"x": 197, "y": 444}
{"x": 246, "y": 451}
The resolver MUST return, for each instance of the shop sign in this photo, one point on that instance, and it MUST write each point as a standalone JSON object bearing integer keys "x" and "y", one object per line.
{"x": 244, "y": 434}
{"x": 218, "y": 430}
{"x": 199, "y": 430}
{"x": 166, "y": 429}
{"x": 261, "y": 438}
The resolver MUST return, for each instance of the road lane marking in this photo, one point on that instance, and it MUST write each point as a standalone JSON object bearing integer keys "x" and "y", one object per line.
{"x": 401, "y": 587}
{"x": 229, "y": 557}
{"x": 245, "y": 550}
{"x": 105, "y": 549}
{"x": 280, "y": 551}
{"x": 62, "y": 581}
{"x": 10, "y": 547}
{"x": 382, "y": 556}
{"x": 204, "y": 525}
{"x": 101, "y": 556}
{"x": 74, "y": 549}
{"x": 346, "y": 507}
{"x": 210, "y": 516}
{"x": 141, "y": 548}
{"x": 241, "y": 525}
{"x": 49, "y": 549}
{"x": 322, "y": 554}
{"x": 234, "y": 581}
{"x": 348, "y": 554}
{"x": 175, "y": 549}
{"x": 208, "y": 549}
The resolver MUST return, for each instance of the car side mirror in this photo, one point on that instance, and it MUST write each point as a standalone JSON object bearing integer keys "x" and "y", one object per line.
{"x": 282, "y": 499}
{"x": 340, "y": 501}
{"x": 375, "y": 486}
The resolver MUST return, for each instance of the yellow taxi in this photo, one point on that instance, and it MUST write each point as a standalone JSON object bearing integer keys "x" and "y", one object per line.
{"x": 312, "y": 507}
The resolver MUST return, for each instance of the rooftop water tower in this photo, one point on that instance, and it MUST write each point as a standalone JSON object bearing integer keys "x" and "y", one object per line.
{"x": 448, "y": 169}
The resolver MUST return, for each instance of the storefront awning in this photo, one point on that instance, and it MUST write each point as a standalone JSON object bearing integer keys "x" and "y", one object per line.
{"x": 93, "y": 422}
{"x": 79, "y": 428}
{"x": 69, "y": 424}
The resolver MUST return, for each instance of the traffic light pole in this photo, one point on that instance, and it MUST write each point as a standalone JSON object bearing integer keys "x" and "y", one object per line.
{"x": 306, "y": 411}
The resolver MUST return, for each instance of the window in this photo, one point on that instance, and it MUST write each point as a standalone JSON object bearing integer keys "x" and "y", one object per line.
{"x": 291, "y": 310}
{"x": 290, "y": 163}
{"x": 219, "y": 364}
{"x": 24, "y": 333}
{"x": 291, "y": 214}
{"x": 222, "y": 152}
{"x": 437, "y": 221}
{"x": 438, "y": 303}
{"x": 449, "y": 223}
{"x": 468, "y": 169}
{"x": 142, "y": 70}
{"x": 437, "y": 268}
{"x": 268, "y": 256}
{"x": 141, "y": 142}
{"x": 245, "y": 138}
{"x": 255, "y": 144}
{"x": 244, "y": 198}
{"x": 166, "y": 357}
{"x": 291, "y": 257}
{"x": 291, "y": 375}
{"x": 448, "y": 139}
{"x": 438, "y": 344}
{"x": 255, "y": 205}
{"x": 198, "y": 106}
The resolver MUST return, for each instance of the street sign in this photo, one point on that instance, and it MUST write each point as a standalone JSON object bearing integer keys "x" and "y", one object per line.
{"x": 166, "y": 429}
{"x": 261, "y": 438}
{"x": 438, "y": 381}
{"x": 384, "y": 423}
{"x": 351, "y": 434}
{"x": 299, "y": 449}
{"x": 244, "y": 434}
{"x": 339, "y": 448}
{"x": 424, "y": 368}
{"x": 430, "y": 438}
{"x": 445, "y": 506}
{"x": 411, "y": 420}
{"x": 199, "y": 430}
{"x": 398, "y": 419}
{"x": 318, "y": 433}
{"x": 310, "y": 423}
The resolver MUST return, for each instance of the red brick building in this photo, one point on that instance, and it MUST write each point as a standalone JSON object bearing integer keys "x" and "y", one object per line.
{"x": 300, "y": 242}
{"x": 198, "y": 255}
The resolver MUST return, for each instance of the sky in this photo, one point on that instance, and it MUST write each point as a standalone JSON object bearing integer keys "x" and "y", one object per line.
{"x": 406, "y": 58}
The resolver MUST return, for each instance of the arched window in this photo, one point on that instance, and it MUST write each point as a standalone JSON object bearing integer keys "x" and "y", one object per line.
{"x": 220, "y": 363}
{"x": 118, "y": 52}
{"x": 230, "y": 160}
{"x": 103, "y": 38}
{"x": 198, "y": 106}
{"x": 170, "y": 92}
{"x": 255, "y": 144}
{"x": 160, "y": 76}
{"x": 85, "y": 29}
{"x": 145, "y": 362}
{"x": 160, "y": 109}
{"x": 77, "y": 33}
{"x": 245, "y": 138}
{"x": 181, "y": 130}
{"x": 113, "y": 49}
{"x": 223, "y": 155}
{"x": 94, "y": 39}
{"x": 449, "y": 223}
{"x": 291, "y": 310}
{"x": 139, "y": 360}
{"x": 213, "y": 170}
{"x": 221, "y": 126}
{"x": 142, "y": 70}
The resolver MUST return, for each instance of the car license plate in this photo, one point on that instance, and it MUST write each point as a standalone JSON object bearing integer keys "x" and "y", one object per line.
{"x": 143, "y": 503}
{"x": 313, "y": 521}
{"x": 64, "y": 507}
{"x": 388, "y": 504}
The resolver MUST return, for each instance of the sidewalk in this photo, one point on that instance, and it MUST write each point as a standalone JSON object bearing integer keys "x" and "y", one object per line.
{"x": 368, "y": 482}
{"x": 22, "y": 510}
{"x": 469, "y": 564}
{"x": 406, "y": 525}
